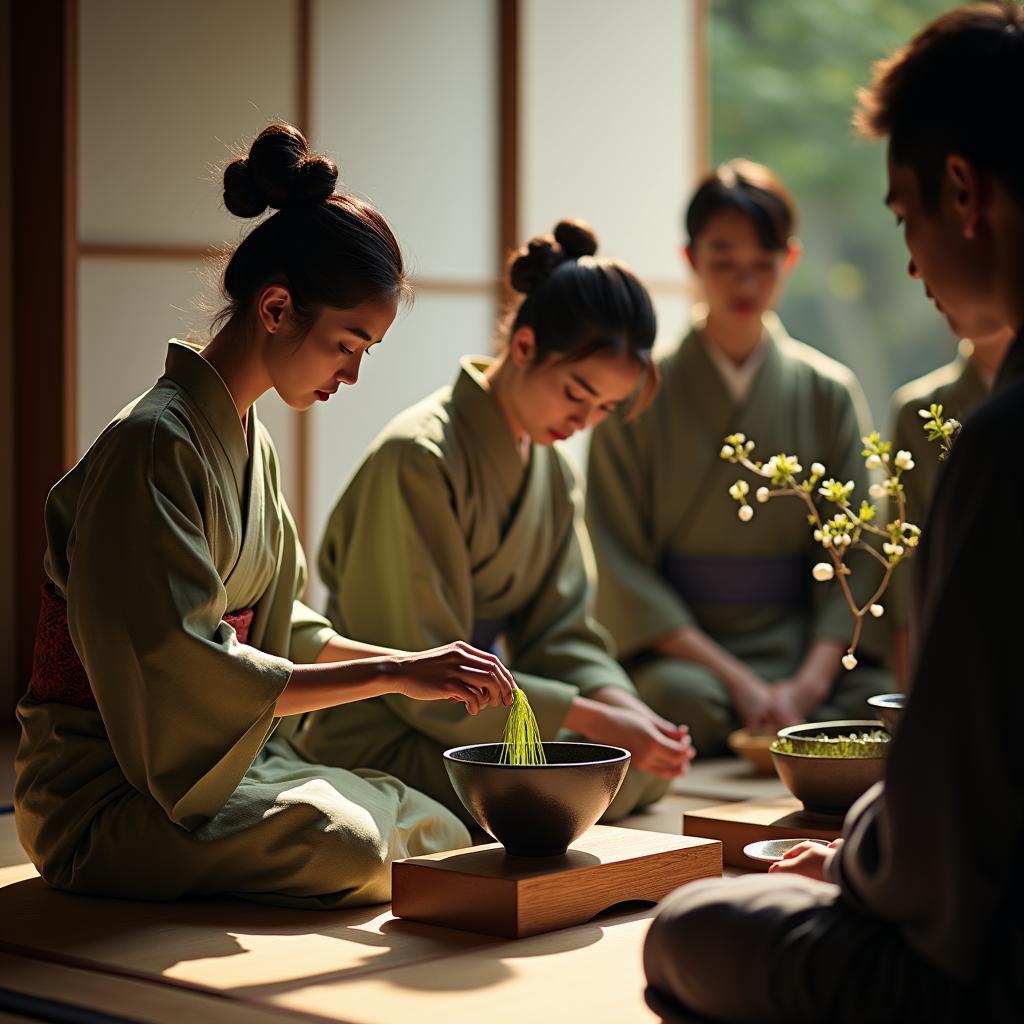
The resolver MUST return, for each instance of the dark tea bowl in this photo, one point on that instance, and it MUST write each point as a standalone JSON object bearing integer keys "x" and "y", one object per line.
{"x": 537, "y": 810}
{"x": 889, "y": 708}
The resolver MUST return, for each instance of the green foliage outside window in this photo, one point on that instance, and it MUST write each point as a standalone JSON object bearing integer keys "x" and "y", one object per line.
{"x": 784, "y": 74}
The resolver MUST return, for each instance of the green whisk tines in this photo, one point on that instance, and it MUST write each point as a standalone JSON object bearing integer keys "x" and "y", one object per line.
{"x": 522, "y": 743}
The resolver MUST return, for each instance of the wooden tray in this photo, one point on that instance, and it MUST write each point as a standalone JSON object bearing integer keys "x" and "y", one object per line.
{"x": 739, "y": 823}
{"x": 481, "y": 889}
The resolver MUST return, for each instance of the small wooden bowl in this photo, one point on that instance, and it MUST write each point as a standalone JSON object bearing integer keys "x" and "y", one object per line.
{"x": 753, "y": 747}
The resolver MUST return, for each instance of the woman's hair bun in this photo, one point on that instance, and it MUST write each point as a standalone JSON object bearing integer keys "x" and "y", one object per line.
{"x": 279, "y": 171}
{"x": 541, "y": 255}
{"x": 576, "y": 237}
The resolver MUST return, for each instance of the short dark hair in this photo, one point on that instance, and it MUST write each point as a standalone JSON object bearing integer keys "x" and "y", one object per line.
{"x": 328, "y": 249}
{"x": 956, "y": 87}
{"x": 754, "y": 191}
{"x": 578, "y": 304}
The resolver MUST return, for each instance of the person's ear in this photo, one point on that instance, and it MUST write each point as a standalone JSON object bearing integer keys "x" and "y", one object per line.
{"x": 969, "y": 190}
{"x": 687, "y": 253}
{"x": 794, "y": 250}
{"x": 271, "y": 307}
{"x": 523, "y": 347}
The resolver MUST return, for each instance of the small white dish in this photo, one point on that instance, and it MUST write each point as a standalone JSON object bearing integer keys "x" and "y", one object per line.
{"x": 772, "y": 850}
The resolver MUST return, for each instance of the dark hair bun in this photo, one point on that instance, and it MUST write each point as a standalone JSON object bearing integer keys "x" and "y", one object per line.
{"x": 541, "y": 255}
{"x": 279, "y": 172}
{"x": 576, "y": 237}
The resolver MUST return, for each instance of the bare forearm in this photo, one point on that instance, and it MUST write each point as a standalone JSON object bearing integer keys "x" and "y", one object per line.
{"x": 313, "y": 687}
{"x": 690, "y": 643}
{"x": 819, "y": 668}
{"x": 341, "y": 648}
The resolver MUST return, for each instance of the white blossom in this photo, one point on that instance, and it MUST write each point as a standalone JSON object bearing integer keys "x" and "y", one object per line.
{"x": 740, "y": 489}
{"x": 746, "y": 513}
{"x": 818, "y": 536}
{"x": 872, "y": 462}
{"x": 877, "y": 610}
{"x": 823, "y": 572}
{"x": 817, "y": 469}
{"x": 763, "y": 494}
{"x": 849, "y": 662}
{"x": 877, "y": 491}
{"x": 904, "y": 459}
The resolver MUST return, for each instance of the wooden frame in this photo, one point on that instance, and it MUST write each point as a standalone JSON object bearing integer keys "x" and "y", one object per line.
{"x": 44, "y": 233}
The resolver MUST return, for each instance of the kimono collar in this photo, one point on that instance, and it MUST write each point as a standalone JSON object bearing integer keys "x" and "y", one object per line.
{"x": 694, "y": 355}
{"x": 204, "y": 385}
{"x": 473, "y": 399}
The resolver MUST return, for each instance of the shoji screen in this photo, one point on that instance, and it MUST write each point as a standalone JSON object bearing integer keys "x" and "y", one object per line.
{"x": 166, "y": 91}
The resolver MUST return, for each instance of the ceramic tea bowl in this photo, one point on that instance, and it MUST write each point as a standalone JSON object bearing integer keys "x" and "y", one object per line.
{"x": 888, "y": 707}
{"x": 754, "y": 748}
{"x": 827, "y": 785}
{"x": 537, "y": 810}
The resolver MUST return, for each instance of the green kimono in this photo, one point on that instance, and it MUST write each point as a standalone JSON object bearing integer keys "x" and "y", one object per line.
{"x": 958, "y": 387}
{"x": 175, "y": 782}
{"x": 443, "y": 534}
{"x": 672, "y": 552}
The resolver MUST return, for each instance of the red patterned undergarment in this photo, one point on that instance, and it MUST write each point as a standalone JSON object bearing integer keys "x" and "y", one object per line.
{"x": 58, "y": 675}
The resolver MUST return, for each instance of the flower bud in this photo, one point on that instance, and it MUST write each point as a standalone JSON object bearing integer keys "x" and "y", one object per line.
{"x": 849, "y": 662}
{"x": 746, "y": 513}
{"x": 817, "y": 469}
{"x": 877, "y": 491}
{"x": 924, "y": 414}
{"x": 823, "y": 572}
{"x": 872, "y": 462}
{"x": 727, "y": 451}
{"x": 763, "y": 494}
{"x": 877, "y": 610}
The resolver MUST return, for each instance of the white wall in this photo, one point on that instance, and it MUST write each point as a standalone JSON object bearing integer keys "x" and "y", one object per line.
{"x": 167, "y": 95}
{"x": 608, "y": 123}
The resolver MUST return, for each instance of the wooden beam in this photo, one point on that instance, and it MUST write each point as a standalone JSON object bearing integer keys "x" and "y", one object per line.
{"x": 303, "y": 107}
{"x": 702, "y": 72}
{"x": 44, "y": 223}
{"x": 508, "y": 122}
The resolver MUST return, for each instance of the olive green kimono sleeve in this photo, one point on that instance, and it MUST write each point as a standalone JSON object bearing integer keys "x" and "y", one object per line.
{"x": 185, "y": 705}
{"x": 842, "y": 417}
{"x": 556, "y": 634}
{"x": 918, "y": 485}
{"x": 634, "y": 601}
{"x": 308, "y": 632}
{"x": 395, "y": 559}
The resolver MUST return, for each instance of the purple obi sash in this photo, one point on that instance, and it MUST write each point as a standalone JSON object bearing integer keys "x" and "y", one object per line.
{"x": 750, "y": 582}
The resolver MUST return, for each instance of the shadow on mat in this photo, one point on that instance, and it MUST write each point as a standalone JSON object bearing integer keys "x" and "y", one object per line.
{"x": 150, "y": 939}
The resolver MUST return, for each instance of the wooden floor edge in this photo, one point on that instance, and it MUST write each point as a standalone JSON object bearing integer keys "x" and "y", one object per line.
{"x": 97, "y": 967}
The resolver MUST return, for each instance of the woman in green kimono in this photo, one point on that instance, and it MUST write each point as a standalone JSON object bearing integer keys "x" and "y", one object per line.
{"x": 716, "y": 619}
{"x": 958, "y": 387}
{"x": 463, "y": 522}
{"x": 153, "y": 761}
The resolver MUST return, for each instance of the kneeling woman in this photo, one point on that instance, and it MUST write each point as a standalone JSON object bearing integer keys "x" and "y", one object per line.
{"x": 717, "y": 620}
{"x": 463, "y": 522}
{"x": 172, "y": 641}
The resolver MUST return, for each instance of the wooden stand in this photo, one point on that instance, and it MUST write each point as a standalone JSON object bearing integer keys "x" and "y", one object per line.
{"x": 481, "y": 889}
{"x": 736, "y": 824}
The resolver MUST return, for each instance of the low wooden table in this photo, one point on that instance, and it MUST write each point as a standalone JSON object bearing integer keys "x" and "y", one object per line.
{"x": 481, "y": 889}
{"x": 739, "y": 823}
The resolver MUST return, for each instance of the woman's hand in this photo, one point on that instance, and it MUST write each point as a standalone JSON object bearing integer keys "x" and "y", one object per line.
{"x": 753, "y": 700}
{"x": 788, "y": 704}
{"x": 618, "y": 697}
{"x": 807, "y": 859}
{"x": 652, "y": 750}
{"x": 456, "y": 671}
